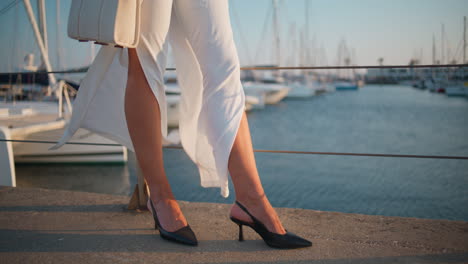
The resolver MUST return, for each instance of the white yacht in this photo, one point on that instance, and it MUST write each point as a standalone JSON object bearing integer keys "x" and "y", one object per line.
{"x": 271, "y": 87}
{"x": 301, "y": 90}
{"x": 271, "y": 92}
{"x": 38, "y": 121}
{"x": 456, "y": 90}
{"x": 301, "y": 87}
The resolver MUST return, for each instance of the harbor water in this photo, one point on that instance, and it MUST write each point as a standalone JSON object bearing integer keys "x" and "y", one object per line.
{"x": 387, "y": 119}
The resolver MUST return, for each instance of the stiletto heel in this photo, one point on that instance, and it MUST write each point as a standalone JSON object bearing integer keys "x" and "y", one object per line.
{"x": 288, "y": 240}
{"x": 184, "y": 235}
{"x": 241, "y": 234}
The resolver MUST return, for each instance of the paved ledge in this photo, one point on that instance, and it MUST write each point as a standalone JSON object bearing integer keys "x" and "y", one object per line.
{"x": 52, "y": 226}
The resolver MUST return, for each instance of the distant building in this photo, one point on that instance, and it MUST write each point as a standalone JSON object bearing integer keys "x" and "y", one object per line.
{"x": 394, "y": 75}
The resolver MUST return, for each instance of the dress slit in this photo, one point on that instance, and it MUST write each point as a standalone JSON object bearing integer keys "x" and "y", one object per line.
{"x": 212, "y": 98}
{"x": 157, "y": 88}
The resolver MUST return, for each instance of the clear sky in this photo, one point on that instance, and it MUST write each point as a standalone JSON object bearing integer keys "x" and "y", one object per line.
{"x": 395, "y": 30}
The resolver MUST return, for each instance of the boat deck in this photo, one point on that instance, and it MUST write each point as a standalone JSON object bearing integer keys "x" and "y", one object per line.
{"x": 22, "y": 121}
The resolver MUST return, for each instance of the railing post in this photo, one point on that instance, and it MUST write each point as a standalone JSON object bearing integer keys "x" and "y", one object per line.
{"x": 7, "y": 162}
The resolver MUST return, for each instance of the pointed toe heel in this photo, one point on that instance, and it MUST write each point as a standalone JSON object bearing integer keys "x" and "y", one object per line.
{"x": 185, "y": 235}
{"x": 285, "y": 241}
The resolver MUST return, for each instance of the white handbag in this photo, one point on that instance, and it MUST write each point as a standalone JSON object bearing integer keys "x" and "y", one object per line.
{"x": 107, "y": 22}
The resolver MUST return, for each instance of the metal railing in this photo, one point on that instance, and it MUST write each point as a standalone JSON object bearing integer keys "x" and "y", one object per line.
{"x": 83, "y": 70}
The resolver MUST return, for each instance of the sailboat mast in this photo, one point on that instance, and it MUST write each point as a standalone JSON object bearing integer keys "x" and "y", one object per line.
{"x": 307, "y": 30}
{"x": 464, "y": 39}
{"x": 276, "y": 32}
{"x": 293, "y": 44}
{"x": 301, "y": 48}
{"x": 442, "y": 46}
{"x": 58, "y": 34}
{"x": 40, "y": 43}
{"x": 433, "y": 54}
{"x": 43, "y": 22}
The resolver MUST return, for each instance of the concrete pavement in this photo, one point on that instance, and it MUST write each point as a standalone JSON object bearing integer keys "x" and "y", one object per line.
{"x": 55, "y": 226}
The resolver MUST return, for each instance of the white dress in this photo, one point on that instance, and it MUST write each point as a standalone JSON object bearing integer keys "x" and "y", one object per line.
{"x": 212, "y": 97}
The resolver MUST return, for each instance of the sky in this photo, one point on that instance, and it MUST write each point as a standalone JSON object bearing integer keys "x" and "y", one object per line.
{"x": 396, "y": 30}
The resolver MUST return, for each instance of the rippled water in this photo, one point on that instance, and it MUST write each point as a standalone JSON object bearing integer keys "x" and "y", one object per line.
{"x": 376, "y": 119}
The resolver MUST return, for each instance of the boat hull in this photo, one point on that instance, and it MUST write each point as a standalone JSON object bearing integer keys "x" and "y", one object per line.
{"x": 273, "y": 93}
{"x": 346, "y": 87}
{"x": 456, "y": 91}
{"x": 26, "y": 152}
{"x": 300, "y": 91}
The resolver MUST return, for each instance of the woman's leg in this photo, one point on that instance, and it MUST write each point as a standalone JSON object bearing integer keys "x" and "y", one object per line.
{"x": 144, "y": 124}
{"x": 142, "y": 110}
{"x": 208, "y": 30}
{"x": 247, "y": 184}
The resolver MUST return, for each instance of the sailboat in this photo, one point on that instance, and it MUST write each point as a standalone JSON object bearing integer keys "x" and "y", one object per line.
{"x": 301, "y": 85}
{"x": 270, "y": 85}
{"x": 301, "y": 89}
{"x": 347, "y": 82}
{"x": 269, "y": 89}
{"x": 45, "y": 118}
{"x": 459, "y": 87}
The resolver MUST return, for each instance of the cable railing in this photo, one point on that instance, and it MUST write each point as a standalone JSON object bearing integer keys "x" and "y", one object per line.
{"x": 387, "y": 155}
{"x": 350, "y": 67}
{"x": 270, "y": 151}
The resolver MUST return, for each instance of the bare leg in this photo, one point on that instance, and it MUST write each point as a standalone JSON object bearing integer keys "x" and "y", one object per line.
{"x": 247, "y": 184}
{"x": 144, "y": 123}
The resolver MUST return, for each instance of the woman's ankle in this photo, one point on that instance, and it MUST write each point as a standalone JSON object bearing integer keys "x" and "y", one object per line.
{"x": 251, "y": 198}
{"x": 160, "y": 194}
{"x": 163, "y": 199}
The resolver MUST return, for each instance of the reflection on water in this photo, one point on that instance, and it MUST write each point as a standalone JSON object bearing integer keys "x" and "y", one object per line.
{"x": 376, "y": 119}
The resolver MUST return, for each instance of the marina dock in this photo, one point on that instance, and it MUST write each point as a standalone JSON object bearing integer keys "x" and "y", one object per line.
{"x": 56, "y": 226}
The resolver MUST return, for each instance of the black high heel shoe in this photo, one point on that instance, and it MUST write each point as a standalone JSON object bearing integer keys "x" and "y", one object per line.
{"x": 288, "y": 240}
{"x": 184, "y": 235}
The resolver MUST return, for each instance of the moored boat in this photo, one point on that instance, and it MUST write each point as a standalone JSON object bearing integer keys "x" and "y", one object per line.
{"x": 273, "y": 93}
{"x": 456, "y": 90}
{"x": 346, "y": 86}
